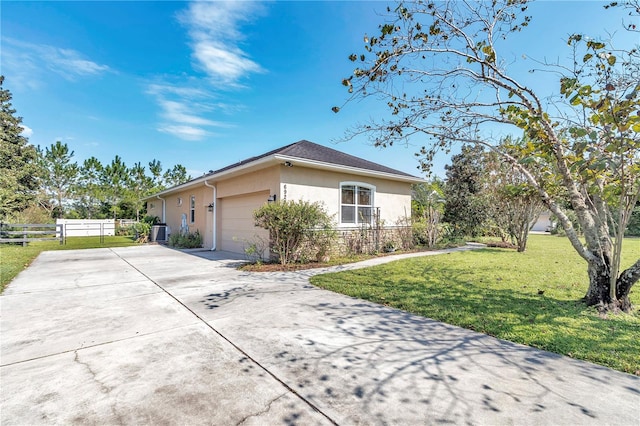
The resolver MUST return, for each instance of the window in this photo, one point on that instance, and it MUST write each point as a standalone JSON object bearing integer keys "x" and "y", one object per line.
{"x": 193, "y": 209}
{"x": 356, "y": 203}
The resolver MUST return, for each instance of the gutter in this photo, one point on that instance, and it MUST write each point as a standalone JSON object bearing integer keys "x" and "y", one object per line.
{"x": 164, "y": 219}
{"x": 214, "y": 233}
{"x": 348, "y": 169}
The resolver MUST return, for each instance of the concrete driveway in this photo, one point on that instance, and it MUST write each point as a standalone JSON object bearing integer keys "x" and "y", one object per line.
{"x": 149, "y": 335}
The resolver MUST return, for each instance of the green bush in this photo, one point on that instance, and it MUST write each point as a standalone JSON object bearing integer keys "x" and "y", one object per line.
{"x": 296, "y": 228}
{"x": 141, "y": 231}
{"x": 181, "y": 240}
{"x": 125, "y": 231}
{"x": 151, "y": 220}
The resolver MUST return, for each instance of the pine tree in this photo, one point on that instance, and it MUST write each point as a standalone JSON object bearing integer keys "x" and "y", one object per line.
{"x": 19, "y": 169}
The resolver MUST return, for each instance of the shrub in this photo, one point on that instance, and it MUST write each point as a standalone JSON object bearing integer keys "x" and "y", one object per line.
{"x": 185, "y": 240}
{"x": 138, "y": 231}
{"x": 125, "y": 231}
{"x": 141, "y": 231}
{"x": 294, "y": 229}
{"x": 403, "y": 235}
{"x": 255, "y": 249}
{"x": 151, "y": 220}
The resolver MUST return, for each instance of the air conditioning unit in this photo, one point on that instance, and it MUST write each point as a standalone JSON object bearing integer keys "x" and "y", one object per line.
{"x": 159, "y": 233}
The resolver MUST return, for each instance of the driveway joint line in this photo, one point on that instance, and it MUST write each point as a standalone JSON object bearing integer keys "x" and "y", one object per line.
{"x": 239, "y": 349}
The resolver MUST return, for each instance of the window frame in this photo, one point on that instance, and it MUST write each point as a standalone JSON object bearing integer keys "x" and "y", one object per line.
{"x": 357, "y": 186}
{"x": 192, "y": 209}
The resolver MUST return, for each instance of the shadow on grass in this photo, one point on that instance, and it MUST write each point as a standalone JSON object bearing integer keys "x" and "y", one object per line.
{"x": 527, "y": 315}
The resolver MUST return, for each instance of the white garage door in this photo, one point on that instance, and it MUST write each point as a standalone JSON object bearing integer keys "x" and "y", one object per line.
{"x": 237, "y": 224}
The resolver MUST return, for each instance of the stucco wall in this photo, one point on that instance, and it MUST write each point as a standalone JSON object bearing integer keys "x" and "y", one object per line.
{"x": 174, "y": 210}
{"x": 298, "y": 183}
{"x": 248, "y": 183}
{"x": 292, "y": 183}
{"x": 251, "y": 182}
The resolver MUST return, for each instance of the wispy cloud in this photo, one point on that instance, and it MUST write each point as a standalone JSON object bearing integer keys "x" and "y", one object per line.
{"x": 215, "y": 32}
{"x": 216, "y": 36}
{"x": 179, "y": 112}
{"x": 28, "y": 61}
{"x": 26, "y": 131}
{"x": 183, "y": 110}
{"x": 185, "y": 132}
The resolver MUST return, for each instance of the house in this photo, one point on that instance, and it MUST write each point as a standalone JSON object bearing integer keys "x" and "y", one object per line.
{"x": 543, "y": 223}
{"x": 220, "y": 204}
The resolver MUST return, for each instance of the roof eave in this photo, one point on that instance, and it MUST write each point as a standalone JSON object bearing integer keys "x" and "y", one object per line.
{"x": 265, "y": 161}
{"x": 356, "y": 170}
{"x": 214, "y": 176}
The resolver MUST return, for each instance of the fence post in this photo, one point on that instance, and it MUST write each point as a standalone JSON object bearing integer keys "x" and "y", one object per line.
{"x": 101, "y": 233}
{"x": 24, "y": 236}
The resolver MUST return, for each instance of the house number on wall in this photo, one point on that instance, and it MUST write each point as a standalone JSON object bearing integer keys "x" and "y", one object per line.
{"x": 285, "y": 192}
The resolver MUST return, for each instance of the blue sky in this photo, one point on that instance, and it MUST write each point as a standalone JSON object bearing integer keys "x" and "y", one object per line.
{"x": 206, "y": 84}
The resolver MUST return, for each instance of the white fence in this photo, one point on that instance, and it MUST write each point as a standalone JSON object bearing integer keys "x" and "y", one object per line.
{"x": 87, "y": 227}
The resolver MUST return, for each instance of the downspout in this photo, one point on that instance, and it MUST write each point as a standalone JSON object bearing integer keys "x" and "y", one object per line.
{"x": 164, "y": 219}
{"x": 215, "y": 209}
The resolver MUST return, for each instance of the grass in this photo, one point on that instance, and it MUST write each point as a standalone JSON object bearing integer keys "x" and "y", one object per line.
{"x": 529, "y": 298}
{"x": 15, "y": 258}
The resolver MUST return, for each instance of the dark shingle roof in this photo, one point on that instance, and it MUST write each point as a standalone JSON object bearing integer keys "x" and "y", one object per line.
{"x": 303, "y": 150}
{"x": 311, "y": 151}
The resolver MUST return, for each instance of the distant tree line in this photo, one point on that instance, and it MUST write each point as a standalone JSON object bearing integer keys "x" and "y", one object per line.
{"x": 483, "y": 196}
{"x": 40, "y": 184}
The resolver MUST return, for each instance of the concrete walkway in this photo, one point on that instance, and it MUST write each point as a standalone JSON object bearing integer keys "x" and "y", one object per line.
{"x": 149, "y": 335}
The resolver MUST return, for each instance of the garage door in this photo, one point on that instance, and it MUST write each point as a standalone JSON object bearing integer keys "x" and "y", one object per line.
{"x": 237, "y": 223}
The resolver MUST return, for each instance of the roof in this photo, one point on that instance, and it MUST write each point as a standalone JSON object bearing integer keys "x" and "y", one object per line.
{"x": 309, "y": 153}
{"x": 312, "y": 151}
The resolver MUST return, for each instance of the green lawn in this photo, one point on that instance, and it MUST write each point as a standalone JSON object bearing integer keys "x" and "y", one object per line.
{"x": 529, "y": 298}
{"x": 14, "y": 258}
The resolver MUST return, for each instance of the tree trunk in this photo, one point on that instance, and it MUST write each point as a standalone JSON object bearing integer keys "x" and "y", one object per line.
{"x": 625, "y": 281}
{"x": 598, "y": 293}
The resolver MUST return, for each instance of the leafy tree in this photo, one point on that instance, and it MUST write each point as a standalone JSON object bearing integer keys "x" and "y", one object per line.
{"x": 90, "y": 191}
{"x": 116, "y": 181}
{"x": 19, "y": 168}
{"x": 513, "y": 203}
{"x": 61, "y": 173}
{"x": 176, "y": 176}
{"x": 140, "y": 186}
{"x": 439, "y": 68}
{"x": 427, "y": 205}
{"x": 425, "y": 195}
{"x": 465, "y": 207}
{"x": 155, "y": 168}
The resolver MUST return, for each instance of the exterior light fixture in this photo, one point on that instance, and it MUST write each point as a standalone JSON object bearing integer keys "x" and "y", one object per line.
{"x": 210, "y": 207}
{"x": 288, "y": 164}
{"x": 272, "y": 198}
